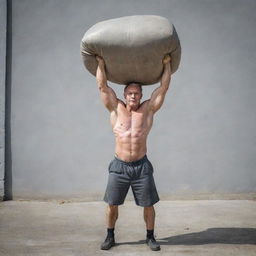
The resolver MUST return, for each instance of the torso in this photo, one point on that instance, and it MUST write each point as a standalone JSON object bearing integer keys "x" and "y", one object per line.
{"x": 131, "y": 130}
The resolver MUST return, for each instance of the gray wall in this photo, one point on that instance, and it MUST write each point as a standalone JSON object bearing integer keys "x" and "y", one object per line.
{"x": 203, "y": 139}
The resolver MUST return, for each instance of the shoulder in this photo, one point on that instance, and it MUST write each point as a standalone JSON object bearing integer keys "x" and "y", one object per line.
{"x": 145, "y": 106}
{"x": 120, "y": 103}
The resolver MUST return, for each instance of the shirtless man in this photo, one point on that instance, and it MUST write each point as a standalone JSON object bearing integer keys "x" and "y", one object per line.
{"x": 131, "y": 122}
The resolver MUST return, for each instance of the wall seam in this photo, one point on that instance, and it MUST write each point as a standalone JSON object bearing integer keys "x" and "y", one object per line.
{"x": 8, "y": 76}
{"x": 3, "y": 38}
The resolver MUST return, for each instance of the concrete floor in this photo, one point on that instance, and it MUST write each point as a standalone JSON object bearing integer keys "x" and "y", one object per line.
{"x": 214, "y": 227}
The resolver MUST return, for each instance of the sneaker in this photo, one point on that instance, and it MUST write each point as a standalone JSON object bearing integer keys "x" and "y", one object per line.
{"x": 108, "y": 243}
{"x": 153, "y": 245}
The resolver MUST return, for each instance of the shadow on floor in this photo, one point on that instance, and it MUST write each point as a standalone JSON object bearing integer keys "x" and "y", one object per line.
{"x": 209, "y": 236}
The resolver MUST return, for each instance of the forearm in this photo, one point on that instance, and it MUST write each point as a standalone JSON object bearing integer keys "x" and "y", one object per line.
{"x": 108, "y": 96}
{"x": 166, "y": 77}
{"x": 157, "y": 97}
{"x": 101, "y": 77}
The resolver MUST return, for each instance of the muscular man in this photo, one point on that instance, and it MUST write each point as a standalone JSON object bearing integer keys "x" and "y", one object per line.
{"x": 131, "y": 122}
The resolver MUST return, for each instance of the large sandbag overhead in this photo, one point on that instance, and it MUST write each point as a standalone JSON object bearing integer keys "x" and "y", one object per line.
{"x": 133, "y": 48}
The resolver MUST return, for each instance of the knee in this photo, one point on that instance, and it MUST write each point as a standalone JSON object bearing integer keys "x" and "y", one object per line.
{"x": 149, "y": 211}
{"x": 113, "y": 209}
{"x": 149, "y": 208}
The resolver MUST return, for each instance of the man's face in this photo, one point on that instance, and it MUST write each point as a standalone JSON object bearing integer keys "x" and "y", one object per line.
{"x": 133, "y": 95}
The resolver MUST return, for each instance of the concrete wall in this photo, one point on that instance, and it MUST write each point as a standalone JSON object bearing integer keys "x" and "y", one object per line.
{"x": 3, "y": 19}
{"x": 203, "y": 139}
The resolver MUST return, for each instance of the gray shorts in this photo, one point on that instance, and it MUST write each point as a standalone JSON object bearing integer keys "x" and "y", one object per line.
{"x": 138, "y": 175}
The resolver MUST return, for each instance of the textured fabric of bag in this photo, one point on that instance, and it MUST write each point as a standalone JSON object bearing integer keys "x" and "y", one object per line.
{"x": 133, "y": 48}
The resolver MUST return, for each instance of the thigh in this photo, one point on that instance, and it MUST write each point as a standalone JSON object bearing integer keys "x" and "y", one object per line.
{"x": 117, "y": 188}
{"x": 144, "y": 191}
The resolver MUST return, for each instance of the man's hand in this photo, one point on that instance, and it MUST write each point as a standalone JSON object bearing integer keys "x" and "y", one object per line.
{"x": 166, "y": 59}
{"x": 100, "y": 60}
{"x": 167, "y": 64}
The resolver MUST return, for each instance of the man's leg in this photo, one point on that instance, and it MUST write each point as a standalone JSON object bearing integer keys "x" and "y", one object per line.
{"x": 111, "y": 217}
{"x": 146, "y": 195}
{"x": 149, "y": 217}
{"x": 116, "y": 191}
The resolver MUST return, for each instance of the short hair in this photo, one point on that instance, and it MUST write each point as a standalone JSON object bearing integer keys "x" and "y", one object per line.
{"x": 130, "y": 83}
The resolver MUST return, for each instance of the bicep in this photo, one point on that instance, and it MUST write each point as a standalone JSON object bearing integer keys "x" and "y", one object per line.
{"x": 109, "y": 98}
{"x": 157, "y": 99}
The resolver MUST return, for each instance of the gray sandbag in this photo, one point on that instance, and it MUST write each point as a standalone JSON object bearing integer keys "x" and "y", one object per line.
{"x": 133, "y": 48}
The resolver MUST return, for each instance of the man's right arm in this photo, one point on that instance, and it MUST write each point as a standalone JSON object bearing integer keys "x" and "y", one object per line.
{"x": 107, "y": 94}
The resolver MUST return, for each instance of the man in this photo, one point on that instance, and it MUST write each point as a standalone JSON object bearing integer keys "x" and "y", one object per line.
{"x": 131, "y": 122}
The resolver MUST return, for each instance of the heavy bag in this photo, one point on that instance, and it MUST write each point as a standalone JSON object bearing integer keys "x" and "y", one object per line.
{"x": 133, "y": 48}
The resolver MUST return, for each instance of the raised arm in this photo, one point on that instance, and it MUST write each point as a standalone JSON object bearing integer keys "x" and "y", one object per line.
{"x": 107, "y": 94}
{"x": 157, "y": 97}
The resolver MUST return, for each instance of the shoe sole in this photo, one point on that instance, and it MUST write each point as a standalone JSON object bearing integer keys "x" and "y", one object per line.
{"x": 157, "y": 249}
{"x": 107, "y": 248}
{"x": 153, "y": 249}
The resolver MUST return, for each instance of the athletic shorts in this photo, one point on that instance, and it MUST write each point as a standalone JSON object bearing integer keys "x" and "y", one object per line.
{"x": 138, "y": 175}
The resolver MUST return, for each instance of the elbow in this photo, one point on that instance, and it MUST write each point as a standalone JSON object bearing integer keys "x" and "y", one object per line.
{"x": 102, "y": 87}
{"x": 165, "y": 87}
{"x": 166, "y": 84}
{"x": 101, "y": 84}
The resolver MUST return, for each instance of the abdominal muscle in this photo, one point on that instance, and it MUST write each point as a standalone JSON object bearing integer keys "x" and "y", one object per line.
{"x": 130, "y": 149}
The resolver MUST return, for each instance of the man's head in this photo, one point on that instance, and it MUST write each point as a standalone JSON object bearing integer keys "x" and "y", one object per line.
{"x": 133, "y": 94}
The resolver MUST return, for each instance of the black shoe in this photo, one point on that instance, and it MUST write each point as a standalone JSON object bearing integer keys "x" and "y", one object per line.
{"x": 108, "y": 243}
{"x": 153, "y": 245}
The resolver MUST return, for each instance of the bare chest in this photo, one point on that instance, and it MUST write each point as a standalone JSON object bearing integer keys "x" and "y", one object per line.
{"x": 133, "y": 124}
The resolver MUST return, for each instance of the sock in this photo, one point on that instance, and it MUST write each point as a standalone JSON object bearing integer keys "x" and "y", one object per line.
{"x": 110, "y": 232}
{"x": 150, "y": 233}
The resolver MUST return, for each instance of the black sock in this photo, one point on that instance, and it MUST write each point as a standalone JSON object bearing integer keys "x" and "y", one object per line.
{"x": 150, "y": 233}
{"x": 110, "y": 232}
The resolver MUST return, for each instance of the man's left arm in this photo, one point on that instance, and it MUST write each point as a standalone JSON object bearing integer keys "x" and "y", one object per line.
{"x": 158, "y": 95}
